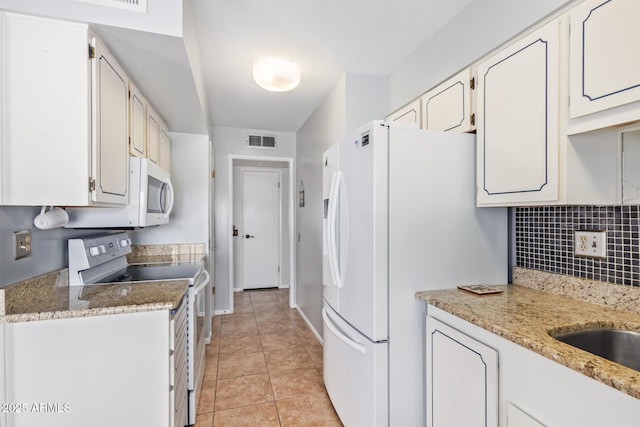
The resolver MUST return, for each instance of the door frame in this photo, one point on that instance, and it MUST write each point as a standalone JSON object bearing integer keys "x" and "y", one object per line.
{"x": 269, "y": 170}
{"x": 292, "y": 223}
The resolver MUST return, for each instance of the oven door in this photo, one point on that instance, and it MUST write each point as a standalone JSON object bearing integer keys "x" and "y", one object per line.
{"x": 195, "y": 342}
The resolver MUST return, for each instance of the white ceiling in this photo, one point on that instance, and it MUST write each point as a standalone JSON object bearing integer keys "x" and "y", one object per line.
{"x": 325, "y": 37}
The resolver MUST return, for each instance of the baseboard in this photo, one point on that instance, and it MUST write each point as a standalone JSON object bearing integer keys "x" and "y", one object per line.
{"x": 313, "y": 330}
{"x": 283, "y": 287}
{"x": 220, "y": 312}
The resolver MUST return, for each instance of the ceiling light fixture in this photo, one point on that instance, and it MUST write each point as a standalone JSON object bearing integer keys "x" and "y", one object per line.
{"x": 276, "y": 74}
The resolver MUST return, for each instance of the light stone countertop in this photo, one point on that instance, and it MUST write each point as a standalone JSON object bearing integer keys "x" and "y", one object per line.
{"x": 529, "y": 317}
{"x": 49, "y": 296}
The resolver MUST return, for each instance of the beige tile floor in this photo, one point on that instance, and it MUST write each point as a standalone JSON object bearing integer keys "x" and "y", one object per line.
{"x": 263, "y": 368}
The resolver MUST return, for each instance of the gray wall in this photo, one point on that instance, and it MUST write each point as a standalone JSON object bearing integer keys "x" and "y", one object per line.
{"x": 49, "y": 247}
{"x": 226, "y": 142}
{"x": 354, "y": 100}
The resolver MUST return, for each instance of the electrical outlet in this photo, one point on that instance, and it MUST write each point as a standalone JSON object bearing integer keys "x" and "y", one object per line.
{"x": 22, "y": 244}
{"x": 591, "y": 244}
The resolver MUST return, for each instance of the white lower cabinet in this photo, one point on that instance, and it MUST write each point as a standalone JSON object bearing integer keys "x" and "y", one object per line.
{"x": 178, "y": 367}
{"x": 532, "y": 390}
{"x": 461, "y": 373}
{"x": 516, "y": 417}
{"x": 99, "y": 371}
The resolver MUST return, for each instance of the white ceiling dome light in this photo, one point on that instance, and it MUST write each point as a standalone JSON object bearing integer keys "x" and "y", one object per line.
{"x": 276, "y": 74}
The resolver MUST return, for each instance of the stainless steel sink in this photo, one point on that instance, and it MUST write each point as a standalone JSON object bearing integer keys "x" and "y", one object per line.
{"x": 616, "y": 345}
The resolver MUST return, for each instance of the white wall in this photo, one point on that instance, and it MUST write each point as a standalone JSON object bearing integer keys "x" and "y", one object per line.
{"x": 354, "y": 100}
{"x": 163, "y": 16}
{"x": 365, "y": 99}
{"x": 190, "y": 172}
{"x": 226, "y": 142}
{"x": 478, "y": 29}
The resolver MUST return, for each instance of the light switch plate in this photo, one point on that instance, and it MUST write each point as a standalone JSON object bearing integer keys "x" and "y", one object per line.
{"x": 591, "y": 244}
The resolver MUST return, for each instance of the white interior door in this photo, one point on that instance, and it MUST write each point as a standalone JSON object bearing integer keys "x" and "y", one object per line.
{"x": 261, "y": 229}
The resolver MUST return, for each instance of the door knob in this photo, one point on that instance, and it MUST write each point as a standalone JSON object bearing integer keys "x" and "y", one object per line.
{"x": 248, "y": 236}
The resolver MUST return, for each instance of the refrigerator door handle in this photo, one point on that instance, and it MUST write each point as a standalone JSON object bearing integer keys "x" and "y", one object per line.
{"x": 334, "y": 262}
{"x": 342, "y": 337}
{"x": 330, "y": 228}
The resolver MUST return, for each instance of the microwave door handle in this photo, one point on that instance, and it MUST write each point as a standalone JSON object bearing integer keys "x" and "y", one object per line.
{"x": 171, "y": 199}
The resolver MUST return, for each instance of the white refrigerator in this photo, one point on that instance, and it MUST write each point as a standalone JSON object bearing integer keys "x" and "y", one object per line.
{"x": 399, "y": 217}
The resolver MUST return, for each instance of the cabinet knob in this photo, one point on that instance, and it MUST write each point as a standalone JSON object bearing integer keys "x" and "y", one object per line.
{"x": 248, "y": 236}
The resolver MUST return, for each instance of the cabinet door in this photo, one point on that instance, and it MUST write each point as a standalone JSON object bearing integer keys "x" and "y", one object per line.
{"x": 605, "y": 67}
{"x": 165, "y": 148}
{"x": 447, "y": 107}
{"x": 45, "y": 112}
{"x": 516, "y": 417}
{"x": 153, "y": 135}
{"x": 110, "y": 140}
{"x": 462, "y": 379}
{"x": 517, "y": 121}
{"x": 410, "y": 113}
{"x": 137, "y": 122}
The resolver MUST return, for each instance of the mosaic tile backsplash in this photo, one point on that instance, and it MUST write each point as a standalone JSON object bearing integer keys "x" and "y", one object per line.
{"x": 545, "y": 236}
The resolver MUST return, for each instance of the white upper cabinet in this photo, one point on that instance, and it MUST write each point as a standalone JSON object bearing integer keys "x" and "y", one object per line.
{"x": 150, "y": 137}
{"x": 64, "y": 116}
{"x": 110, "y": 96}
{"x": 604, "y": 64}
{"x": 447, "y": 107}
{"x": 137, "y": 122}
{"x": 153, "y": 135}
{"x": 517, "y": 121}
{"x": 165, "y": 148}
{"x": 410, "y": 113}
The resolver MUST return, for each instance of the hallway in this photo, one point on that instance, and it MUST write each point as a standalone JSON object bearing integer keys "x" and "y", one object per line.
{"x": 264, "y": 367}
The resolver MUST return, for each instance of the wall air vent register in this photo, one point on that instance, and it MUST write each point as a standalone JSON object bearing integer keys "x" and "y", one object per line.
{"x": 261, "y": 141}
{"x": 133, "y": 5}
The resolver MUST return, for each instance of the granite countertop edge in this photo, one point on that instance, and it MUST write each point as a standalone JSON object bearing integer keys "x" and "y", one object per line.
{"x": 46, "y": 297}
{"x": 73, "y": 313}
{"x": 529, "y": 317}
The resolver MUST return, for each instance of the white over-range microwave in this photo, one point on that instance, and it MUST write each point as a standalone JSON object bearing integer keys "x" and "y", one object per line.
{"x": 151, "y": 199}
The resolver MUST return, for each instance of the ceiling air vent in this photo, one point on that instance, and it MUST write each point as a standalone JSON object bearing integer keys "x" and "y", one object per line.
{"x": 261, "y": 141}
{"x": 134, "y": 5}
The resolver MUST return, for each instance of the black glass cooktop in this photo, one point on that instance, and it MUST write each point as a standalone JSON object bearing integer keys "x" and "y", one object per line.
{"x": 136, "y": 273}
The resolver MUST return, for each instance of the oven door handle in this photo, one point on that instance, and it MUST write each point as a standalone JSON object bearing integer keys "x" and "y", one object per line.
{"x": 202, "y": 285}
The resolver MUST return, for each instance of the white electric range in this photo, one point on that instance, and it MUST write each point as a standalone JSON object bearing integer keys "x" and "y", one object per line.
{"x": 102, "y": 259}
